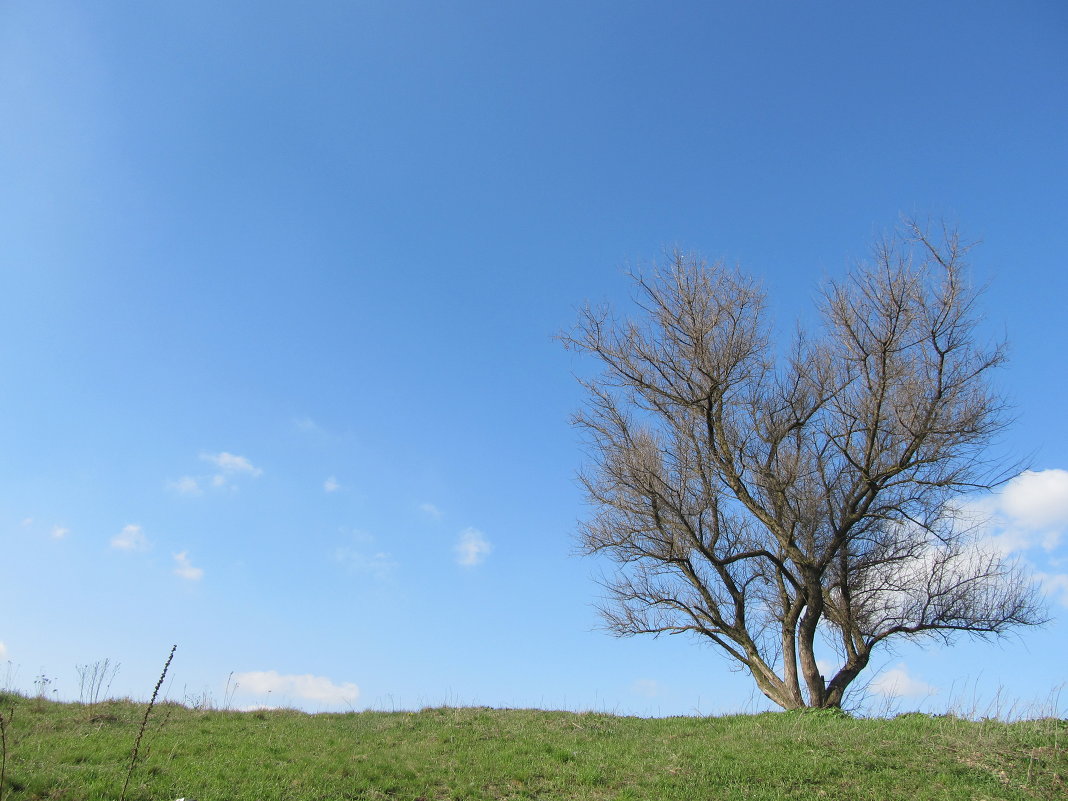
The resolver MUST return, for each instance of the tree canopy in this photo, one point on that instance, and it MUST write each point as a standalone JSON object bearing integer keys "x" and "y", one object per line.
{"x": 771, "y": 496}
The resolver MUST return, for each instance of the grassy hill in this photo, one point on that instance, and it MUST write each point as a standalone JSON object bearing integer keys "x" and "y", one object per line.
{"x": 74, "y": 752}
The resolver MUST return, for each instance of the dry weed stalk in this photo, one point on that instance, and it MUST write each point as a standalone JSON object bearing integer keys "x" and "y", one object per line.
{"x": 144, "y": 723}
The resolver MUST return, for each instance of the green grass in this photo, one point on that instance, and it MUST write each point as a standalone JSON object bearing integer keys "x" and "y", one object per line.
{"x": 76, "y": 753}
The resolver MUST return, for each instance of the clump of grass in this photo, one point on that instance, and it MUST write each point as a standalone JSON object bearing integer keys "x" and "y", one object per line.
{"x": 144, "y": 723}
{"x": 94, "y": 681}
{"x": 41, "y": 684}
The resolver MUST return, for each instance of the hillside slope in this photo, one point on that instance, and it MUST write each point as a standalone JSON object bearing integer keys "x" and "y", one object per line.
{"x": 77, "y": 753}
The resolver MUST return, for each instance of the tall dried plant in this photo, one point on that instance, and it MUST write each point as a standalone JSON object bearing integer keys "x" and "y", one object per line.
{"x": 144, "y": 724}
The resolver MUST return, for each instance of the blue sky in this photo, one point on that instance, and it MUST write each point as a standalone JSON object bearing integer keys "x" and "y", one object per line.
{"x": 279, "y": 290}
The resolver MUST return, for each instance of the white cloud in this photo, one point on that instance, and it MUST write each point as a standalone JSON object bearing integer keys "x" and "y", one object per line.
{"x": 27, "y": 521}
{"x": 1054, "y": 585}
{"x": 897, "y": 683}
{"x": 331, "y": 485}
{"x": 231, "y": 464}
{"x": 363, "y": 557}
{"x": 186, "y": 485}
{"x": 184, "y": 568}
{"x": 59, "y": 532}
{"x": 377, "y": 564}
{"x": 307, "y": 425}
{"x": 306, "y": 686}
{"x": 1031, "y": 510}
{"x": 1037, "y": 499}
{"x": 431, "y": 510}
{"x": 131, "y": 538}
{"x": 472, "y": 547}
{"x": 3, "y": 650}
{"x": 650, "y": 688}
{"x": 357, "y": 535}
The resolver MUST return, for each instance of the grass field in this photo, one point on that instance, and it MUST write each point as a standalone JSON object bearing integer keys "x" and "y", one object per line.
{"x": 72, "y": 751}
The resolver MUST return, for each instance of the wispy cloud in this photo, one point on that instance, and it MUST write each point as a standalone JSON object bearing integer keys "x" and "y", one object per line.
{"x": 377, "y": 564}
{"x": 3, "y": 650}
{"x": 131, "y": 538}
{"x": 650, "y": 688}
{"x": 1054, "y": 585}
{"x": 430, "y": 510}
{"x": 229, "y": 467}
{"x": 184, "y": 568}
{"x": 229, "y": 463}
{"x": 331, "y": 485}
{"x": 361, "y": 556}
{"x": 897, "y": 683}
{"x": 472, "y": 547}
{"x": 59, "y": 532}
{"x": 304, "y": 686}
{"x": 307, "y": 425}
{"x": 186, "y": 485}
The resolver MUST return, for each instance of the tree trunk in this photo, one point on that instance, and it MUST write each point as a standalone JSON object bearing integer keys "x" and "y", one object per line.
{"x": 836, "y": 689}
{"x": 789, "y": 660}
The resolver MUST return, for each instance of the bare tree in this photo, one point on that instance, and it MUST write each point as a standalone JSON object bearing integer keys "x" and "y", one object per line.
{"x": 772, "y": 498}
